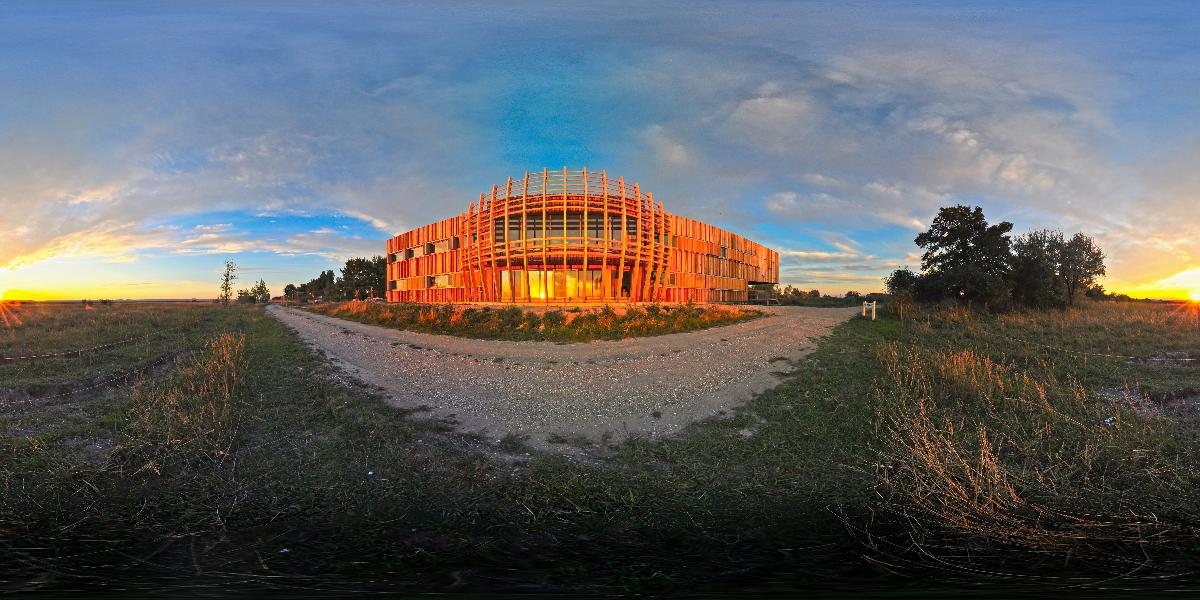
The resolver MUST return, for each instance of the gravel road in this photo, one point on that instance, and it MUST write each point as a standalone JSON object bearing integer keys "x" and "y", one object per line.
{"x": 544, "y": 388}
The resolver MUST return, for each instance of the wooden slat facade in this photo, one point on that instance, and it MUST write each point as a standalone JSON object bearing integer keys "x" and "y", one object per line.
{"x": 573, "y": 236}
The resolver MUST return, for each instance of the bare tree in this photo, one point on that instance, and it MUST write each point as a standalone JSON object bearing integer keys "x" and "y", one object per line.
{"x": 227, "y": 279}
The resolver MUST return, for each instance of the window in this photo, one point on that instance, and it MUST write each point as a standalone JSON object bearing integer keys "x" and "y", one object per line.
{"x": 533, "y": 227}
{"x": 409, "y": 253}
{"x": 392, "y": 284}
{"x": 595, "y": 226}
{"x": 437, "y": 281}
{"x": 498, "y": 230}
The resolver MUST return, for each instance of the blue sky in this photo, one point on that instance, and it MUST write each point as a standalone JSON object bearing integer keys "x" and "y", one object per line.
{"x": 142, "y": 144}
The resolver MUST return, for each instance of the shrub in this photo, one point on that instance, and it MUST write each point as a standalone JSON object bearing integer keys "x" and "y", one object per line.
{"x": 554, "y": 320}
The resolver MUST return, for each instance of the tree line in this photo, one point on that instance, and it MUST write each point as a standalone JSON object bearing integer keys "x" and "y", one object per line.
{"x": 360, "y": 278}
{"x": 968, "y": 260}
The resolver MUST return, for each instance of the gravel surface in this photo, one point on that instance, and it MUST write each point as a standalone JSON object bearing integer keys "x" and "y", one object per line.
{"x": 591, "y": 389}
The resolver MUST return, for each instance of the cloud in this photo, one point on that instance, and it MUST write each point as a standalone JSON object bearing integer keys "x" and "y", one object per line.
{"x": 776, "y": 121}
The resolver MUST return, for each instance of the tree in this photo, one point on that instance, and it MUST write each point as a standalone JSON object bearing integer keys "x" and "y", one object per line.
{"x": 1036, "y": 265}
{"x": 246, "y": 297}
{"x": 364, "y": 277}
{"x": 261, "y": 292}
{"x": 227, "y": 279}
{"x": 854, "y": 296}
{"x": 901, "y": 281}
{"x": 1081, "y": 263}
{"x": 967, "y": 258}
{"x": 289, "y": 291}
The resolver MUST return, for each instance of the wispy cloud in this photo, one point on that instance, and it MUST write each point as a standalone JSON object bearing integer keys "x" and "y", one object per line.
{"x": 834, "y": 133}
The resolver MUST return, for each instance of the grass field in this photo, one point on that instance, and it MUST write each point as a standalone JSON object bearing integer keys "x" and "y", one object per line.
{"x": 951, "y": 449}
{"x": 513, "y": 323}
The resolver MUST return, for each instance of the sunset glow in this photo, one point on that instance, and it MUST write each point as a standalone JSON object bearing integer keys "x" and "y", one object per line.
{"x": 829, "y": 135}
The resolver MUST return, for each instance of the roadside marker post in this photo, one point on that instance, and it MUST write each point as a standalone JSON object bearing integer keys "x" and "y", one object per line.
{"x": 873, "y": 306}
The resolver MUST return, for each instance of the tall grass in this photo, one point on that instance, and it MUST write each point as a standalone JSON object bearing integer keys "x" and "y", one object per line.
{"x": 1007, "y": 445}
{"x": 193, "y": 414}
{"x": 513, "y": 323}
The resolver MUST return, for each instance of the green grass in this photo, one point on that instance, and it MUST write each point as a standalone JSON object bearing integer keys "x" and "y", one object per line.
{"x": 514, "y": 323}
{"x": 153, "y": 330}
{"x": 252, "y": 463}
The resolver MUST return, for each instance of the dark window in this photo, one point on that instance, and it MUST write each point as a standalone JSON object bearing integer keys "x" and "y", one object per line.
{"x": 595, "y": 225}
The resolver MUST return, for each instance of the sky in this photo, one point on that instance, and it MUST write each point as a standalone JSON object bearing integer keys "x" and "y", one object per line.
{"x": 143, "y": 144}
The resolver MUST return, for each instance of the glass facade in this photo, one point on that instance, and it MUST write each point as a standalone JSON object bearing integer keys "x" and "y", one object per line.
{"x": 517, "y": 285}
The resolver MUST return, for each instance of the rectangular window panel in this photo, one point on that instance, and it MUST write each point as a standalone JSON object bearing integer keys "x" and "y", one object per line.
{"x": 560, "y": 284}
{"x": 537, "y": 285}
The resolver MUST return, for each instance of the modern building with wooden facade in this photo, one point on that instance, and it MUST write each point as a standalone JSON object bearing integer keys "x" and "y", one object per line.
{"x": 567, "y": 236}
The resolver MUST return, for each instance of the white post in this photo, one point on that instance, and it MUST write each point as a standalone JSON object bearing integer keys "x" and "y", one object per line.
{"x": 864, "y": 308}
{"x": 873, "y": 304}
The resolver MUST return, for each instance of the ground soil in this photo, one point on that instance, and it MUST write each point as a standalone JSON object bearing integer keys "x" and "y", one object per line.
{"x": 648, "y": 387}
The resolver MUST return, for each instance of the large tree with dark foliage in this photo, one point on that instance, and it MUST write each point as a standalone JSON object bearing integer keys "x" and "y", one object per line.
{"x": 323, "y": 286}
{"x": 967, "y": 257}
{"x": 364, "y": 277}
{"x": 1035, "y": 269}
{"x": 1080, "y": 264}
{"x": 901, "y": 281}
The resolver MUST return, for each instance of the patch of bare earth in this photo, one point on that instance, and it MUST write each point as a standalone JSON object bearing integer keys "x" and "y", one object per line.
{"x": 606, "y": 390}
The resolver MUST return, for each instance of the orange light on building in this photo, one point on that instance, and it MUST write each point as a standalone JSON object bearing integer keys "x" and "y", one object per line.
{"x": 577, "y": 237}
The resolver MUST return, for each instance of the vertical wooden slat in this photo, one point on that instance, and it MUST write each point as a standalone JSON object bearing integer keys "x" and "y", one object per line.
{"x": 564, "y": 224}
{"x": 524, "y": 231}
{"x": 546, "y": 273}
{"x": 635, "y": 287}
{"x": 497, "y": 292}
{"x": 583, "y": 229}
{"x": 605, "y": 269}
{"x": 624, "y": 239}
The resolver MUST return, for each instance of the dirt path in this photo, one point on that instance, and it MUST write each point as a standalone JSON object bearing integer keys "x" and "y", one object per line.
{"x": 642, "y": 386}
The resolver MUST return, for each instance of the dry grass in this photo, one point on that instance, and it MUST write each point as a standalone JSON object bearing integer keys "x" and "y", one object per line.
{"x": 142, "y": 332}
{"x": 1011, "y": 442}
{"x": 192, "y": 414}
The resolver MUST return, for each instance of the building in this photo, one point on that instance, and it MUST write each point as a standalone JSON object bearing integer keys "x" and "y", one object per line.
{"x": 575, "y": 237}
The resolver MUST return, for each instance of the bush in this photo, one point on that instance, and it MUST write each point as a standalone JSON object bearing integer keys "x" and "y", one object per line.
{"x": 514, "y": 323}
{"x": 554, "y": 320}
